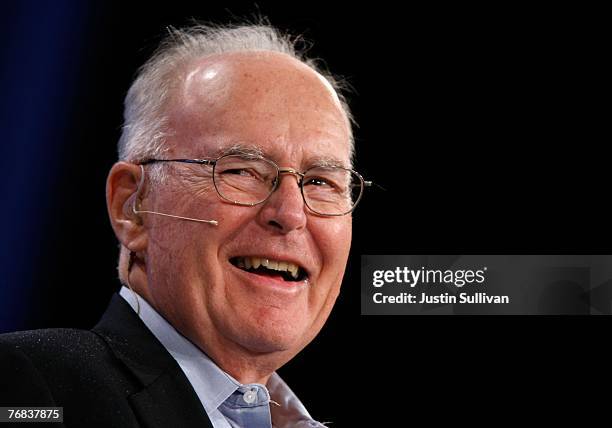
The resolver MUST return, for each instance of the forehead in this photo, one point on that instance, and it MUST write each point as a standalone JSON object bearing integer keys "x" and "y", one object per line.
{"x": 263, "y": 99}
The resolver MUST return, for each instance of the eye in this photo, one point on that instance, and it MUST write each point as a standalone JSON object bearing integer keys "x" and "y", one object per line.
{"x": 319, "y": 182}
{"x": 244, "y": 173}
{"x": 239, "y": 171}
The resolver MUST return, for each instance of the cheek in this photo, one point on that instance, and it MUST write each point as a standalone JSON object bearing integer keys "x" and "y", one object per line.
{"x": 334, "y": 242}
{"x": 186, "y": 270}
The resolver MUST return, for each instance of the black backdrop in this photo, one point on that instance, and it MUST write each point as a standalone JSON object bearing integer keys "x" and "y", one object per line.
{"x": 486, "y": 127}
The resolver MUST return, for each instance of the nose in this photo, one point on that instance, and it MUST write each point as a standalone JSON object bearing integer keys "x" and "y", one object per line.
{"x": 284, "y": 211}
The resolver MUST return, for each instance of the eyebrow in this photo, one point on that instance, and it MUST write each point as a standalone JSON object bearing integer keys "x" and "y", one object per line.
{"x": 252, "y": 150}
{"x": 326, "y": 161}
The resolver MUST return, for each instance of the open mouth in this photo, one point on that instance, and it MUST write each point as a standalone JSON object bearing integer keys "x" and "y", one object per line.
{"x": 268, "y": 267}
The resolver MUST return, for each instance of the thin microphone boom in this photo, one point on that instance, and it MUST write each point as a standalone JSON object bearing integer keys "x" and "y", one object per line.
{"x": 213, "y": 222}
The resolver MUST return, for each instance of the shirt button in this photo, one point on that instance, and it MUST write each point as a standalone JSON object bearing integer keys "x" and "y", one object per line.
{"x": 249, "y": 397}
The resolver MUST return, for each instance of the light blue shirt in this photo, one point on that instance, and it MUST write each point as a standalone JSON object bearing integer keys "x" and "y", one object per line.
{"x": 227, "y": 402}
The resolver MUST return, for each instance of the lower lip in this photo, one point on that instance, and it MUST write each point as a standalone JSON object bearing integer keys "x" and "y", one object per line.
{"x": 269, "y": 282}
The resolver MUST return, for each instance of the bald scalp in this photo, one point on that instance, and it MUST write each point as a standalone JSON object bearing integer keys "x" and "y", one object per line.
{"x": 237, "y": 92}
{"x": 221, "y": 81}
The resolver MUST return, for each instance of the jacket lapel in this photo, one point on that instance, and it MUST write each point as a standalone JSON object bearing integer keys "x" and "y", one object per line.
{"x": 166, "y": 398}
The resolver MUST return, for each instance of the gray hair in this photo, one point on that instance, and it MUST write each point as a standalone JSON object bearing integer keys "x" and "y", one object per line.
{"x": 145, "y": 123}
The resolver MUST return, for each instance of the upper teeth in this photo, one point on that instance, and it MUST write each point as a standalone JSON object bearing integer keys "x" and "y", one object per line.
{"x": 255, "y": 262}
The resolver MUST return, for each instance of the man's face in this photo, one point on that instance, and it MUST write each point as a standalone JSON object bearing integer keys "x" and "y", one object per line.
{"x": 274, "y": 103}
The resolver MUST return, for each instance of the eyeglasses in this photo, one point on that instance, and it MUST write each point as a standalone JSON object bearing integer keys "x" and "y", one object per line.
{"x": 251, "y": 180}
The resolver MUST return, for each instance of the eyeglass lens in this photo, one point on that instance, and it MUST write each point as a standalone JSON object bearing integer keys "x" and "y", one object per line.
{"x": 326, "y": 190}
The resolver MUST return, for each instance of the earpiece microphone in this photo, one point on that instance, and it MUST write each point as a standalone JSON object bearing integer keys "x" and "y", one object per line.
{"x": 137, "y": 195}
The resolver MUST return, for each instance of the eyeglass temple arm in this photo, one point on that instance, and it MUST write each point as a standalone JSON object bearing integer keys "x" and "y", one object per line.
{"x": 372, "y": 184}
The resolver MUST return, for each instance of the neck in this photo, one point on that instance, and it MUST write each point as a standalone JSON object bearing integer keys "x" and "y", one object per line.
{"x": 242, "y": 364}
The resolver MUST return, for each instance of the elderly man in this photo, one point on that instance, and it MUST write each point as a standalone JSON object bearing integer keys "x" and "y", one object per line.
{"x": 232, "y": 203}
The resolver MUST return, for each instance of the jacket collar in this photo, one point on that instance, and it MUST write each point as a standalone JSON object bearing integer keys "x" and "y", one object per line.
{"x": 166, "y": 398}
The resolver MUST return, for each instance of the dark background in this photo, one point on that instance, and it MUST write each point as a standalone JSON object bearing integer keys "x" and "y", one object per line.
{"x": 487, "y": 127}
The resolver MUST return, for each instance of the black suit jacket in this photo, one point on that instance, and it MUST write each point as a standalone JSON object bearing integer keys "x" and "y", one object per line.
{"x": 116, "y": 375}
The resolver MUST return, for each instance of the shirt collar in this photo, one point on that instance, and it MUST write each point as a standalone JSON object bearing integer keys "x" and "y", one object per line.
{"x": 212, "y": 385}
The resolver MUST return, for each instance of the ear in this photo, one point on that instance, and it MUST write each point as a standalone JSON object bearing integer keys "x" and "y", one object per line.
{"x": 121, "y": 192}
